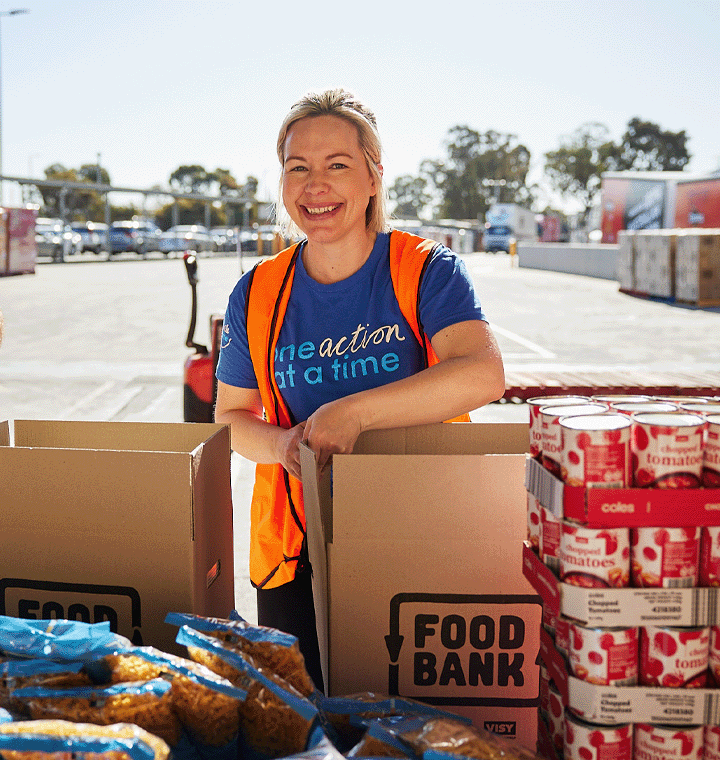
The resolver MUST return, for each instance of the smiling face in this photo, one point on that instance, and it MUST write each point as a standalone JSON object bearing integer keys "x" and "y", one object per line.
{"x": 327, "y": 185}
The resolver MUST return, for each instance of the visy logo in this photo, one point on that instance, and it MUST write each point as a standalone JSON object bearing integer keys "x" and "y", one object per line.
{"x": 507, "y": 728}
{"x": 86, "y": 603}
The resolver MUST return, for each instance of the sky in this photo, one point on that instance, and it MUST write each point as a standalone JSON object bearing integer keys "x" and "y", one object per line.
{"x": 148, "y": 85}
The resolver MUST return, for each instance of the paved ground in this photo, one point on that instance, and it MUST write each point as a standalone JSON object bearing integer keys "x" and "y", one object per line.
{"x": 106, "y": 341}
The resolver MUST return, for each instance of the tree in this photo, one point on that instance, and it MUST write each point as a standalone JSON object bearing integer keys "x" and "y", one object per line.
{"x": 575, "y": 168}
{"x": 410, "y": 196}
{"x": 195, "y": 179}
{"x": 470, "y": 178}
{"x": 68, "y": 203}
{"x": 191, "y": 179}
{"x": 647, "y": 147}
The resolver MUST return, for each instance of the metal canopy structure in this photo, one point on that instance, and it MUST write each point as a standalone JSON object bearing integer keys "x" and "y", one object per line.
{"x": 67, "y": 186}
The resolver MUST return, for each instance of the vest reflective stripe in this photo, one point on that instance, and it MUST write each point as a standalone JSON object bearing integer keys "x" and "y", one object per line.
{"x": 277, "y": 514}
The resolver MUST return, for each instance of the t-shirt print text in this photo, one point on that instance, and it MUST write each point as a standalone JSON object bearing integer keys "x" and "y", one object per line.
{"x": 334, "y": 360}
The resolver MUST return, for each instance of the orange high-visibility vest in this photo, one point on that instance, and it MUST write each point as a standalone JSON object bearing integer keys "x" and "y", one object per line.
{"x": 278, "y": 544}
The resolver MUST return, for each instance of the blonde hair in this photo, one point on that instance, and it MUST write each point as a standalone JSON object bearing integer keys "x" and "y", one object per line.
{"x": 346, "y": 106}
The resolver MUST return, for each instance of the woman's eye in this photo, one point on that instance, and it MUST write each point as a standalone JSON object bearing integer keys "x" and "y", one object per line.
{"x": 338, "y": 165}
{"x": 296, "y": 169}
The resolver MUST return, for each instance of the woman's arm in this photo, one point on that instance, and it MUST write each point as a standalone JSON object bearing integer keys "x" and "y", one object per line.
{"x": 253, "y": 437}
{"x": 469, "y": 375}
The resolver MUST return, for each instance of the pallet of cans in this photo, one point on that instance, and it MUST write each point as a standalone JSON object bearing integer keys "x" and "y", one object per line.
{"x": 623, "y": 547}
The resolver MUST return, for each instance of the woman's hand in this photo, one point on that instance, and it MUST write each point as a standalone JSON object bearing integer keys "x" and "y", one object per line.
{"x": 288, "y": 448}
{"x": 332, "y": 429}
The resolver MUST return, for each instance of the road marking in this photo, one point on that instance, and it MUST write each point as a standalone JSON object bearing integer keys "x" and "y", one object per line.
{"x": 162, "y": 399}
{"x": 539, "y": 350}
{"x": 66, "y": 414}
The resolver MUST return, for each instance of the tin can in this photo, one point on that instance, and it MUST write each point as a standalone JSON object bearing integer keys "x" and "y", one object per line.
{"x": 681, "y": 399}
{"x": 534, "y": 405}
{"x": 556, "y": 719}
{"x": 709, "y": 556}
{"x": 665, "y": 557}
{"x": 589, "y": 741}
{"x": 674, "y": 657}
{"x": 700, "y": 407}
{"x": 551, "y": 443}
{"x": 550, "y": 539}
{"x": 596, "y": 450}
{"x": 594, "y": 557}
{"x": 714, "y": 656}
{"x": 533, "y": 521}
{"x": 711, "y": 452}
{"x": 712, "y": 742}
{"x": 653, "y": 742}
{"x": 604, "y": 656}
{"x": 621, "y": 398}
{"x": 634, "y": 407}
{"x": 667, "y": 450}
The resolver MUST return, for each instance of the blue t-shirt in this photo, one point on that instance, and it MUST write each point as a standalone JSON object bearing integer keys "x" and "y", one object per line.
{"x": 348, "y": 336}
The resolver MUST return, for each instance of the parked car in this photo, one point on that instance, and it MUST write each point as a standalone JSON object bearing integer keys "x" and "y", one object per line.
{"x": 135, "y": 236}
{"x": 186, "y": 237}
{"x": 224, "y": 238}
{"x": 55, "y": 239}
{"x": 248, "y": 241}
{"x": 150, "y": 233}
{"x": 92, "y": 234}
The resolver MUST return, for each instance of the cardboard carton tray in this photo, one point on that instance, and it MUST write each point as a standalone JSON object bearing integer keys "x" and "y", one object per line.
{"x": 629, "y": 704}
{"x": 623, "y": 507}
{"x": 607, "y": 607}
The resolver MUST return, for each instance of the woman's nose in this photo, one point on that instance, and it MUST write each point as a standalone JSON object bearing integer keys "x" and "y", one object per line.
{"x": 316, "y": 182}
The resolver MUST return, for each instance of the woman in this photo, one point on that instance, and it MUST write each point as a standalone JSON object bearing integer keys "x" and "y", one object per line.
{"x": 352, "y": 329}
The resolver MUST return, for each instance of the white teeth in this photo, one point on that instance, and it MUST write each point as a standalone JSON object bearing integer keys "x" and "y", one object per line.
{"x": 322, "y": 210}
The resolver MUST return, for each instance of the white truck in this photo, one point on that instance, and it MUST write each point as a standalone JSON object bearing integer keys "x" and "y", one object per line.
{"x": 505, "y": 222}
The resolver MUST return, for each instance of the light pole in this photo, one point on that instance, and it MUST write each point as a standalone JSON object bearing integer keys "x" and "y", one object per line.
{"x": 14, "y": 12}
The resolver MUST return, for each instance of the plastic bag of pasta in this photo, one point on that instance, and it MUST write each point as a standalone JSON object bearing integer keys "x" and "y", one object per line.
{"x": 57, "y": 639}
{"x": 16, "y": 674}
{"x": 275, "y": 719}
{"x": 349, "y": 716}
{"x": 378, "y": 741}
{"x": 63, "y": 740}
{"x": 147, "y": 704}
{"x": 269, "y": 648}
{"x": 450, "y": 737}
{"x": 206, "y": 704}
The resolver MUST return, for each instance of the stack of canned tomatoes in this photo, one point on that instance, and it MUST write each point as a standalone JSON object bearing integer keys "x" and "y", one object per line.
{"x": 639, "y": 450}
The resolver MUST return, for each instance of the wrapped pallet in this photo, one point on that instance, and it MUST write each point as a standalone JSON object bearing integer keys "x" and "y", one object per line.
{"x": 697, "y": 268}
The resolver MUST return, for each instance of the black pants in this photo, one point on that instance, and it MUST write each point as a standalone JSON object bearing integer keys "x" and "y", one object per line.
{"x": 289, "y": 608}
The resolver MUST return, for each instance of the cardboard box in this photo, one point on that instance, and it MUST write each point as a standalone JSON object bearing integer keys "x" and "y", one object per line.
{"x": 697, "y": 271}
{"x": 623, "y": 507}
{"x": 625, "y": 271}
{"x": 118, "y": 521}
{"x": 417, "y": 574}
{"x": 612, "y": 607}
{"x": 629, "y": 704}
